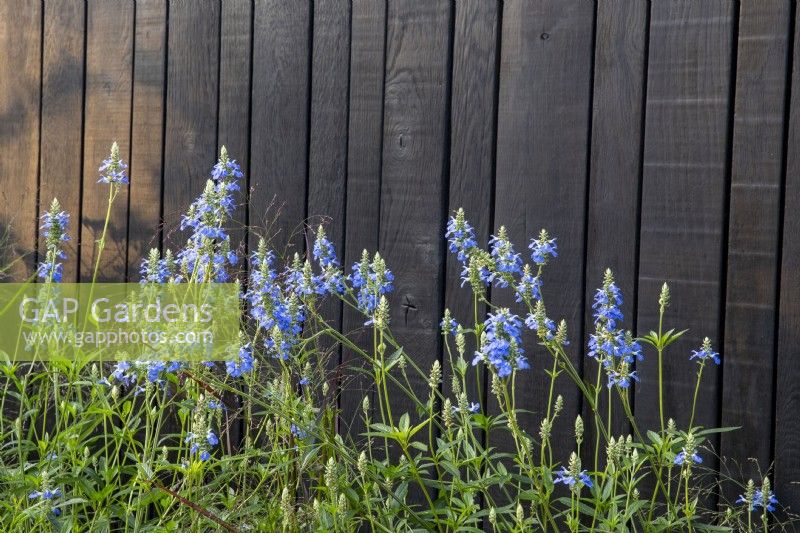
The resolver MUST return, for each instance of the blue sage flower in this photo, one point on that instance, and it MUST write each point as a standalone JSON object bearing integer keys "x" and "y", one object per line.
{"x": 573, "y": 479}
{"x": 768, "y": 502}
{"x": 529, "y": 287}
{"x": 297, "y": 432}
{"x": 543, "y": 248}
{"x": 44, "y": 494}
{"x": 112, "y": 170}
{"x": 208, "y": 253}
{"x": 622, "y": 377}
{"x": 705, "y": 353}
{"x": 538, "y": 321}
{"x": 686, "y": 457}
{"x": 371, "y": 280}
{"x": 448, "y": 324}
{"x": 47, "y": 495}
{"x": 460, "y": 236}
{"x": 324, "y": 252}
{"x": 506, "y": 260}
{"x": 242, "y": 365}
{"x": 501, "y": 345}
{"x": 54, "y": 229}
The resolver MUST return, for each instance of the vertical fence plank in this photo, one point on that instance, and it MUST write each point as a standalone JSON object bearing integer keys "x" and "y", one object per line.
{"x": 542, "y": 145}
{"x": 472, "y": 151}
{"x": 234, "y": 96}
{"x": 327, "y": 170}
{"x": 413, "y": 190}
{"x": 62, "y": 107}
{"x": 362, "y": 213}
{"x": 615, "y": 169}
{"x": 192, "y": 85}
{"x": 683, "y": 198}
{"x": 233, "y": 127}
{"x": 755, "y": 198}
{"x": 787, "y": 393}
{"x": 20, "y": 74}
{"x": 147, "y": 132}
{"x": 279, "y": 136}
{"x": 109, "y": 60}
{"x": 191, "y": 105}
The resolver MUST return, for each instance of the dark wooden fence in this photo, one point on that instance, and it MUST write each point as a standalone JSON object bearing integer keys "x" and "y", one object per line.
{"x": 661, "y": 139}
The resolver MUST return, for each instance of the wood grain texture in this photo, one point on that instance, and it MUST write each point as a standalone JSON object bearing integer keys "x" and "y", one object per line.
{"x": 20, "y": 71}
{"x": 683, "y": 199}
{"x": 62, "y": 107}
{"x": 542, "y": 150}
{"x": 327, "y": 172}
{"x": 144, "y": 222}
{"x": 472, "y": 151}
{"x": 413, "y": 186}
{"x": 107, "y": 116}
{"x": 190, "y": 148}
{"x": 386, "y": 149}
{"x": 234, "y": 98}
{"x": 753, "y": 247}
{"x": 787, "y": 392}
{"x": 364, "y": 169}
{"x": 615, "y": 171}
{"x": 233, "y": 132}
{"x": 279, "y": 135}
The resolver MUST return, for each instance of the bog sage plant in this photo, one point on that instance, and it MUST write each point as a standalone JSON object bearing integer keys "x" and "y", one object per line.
{"x": 256, "y": 442}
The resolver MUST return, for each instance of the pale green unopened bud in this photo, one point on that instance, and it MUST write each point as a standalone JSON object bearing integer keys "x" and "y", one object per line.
{"x": 382, "y": 313}
{"x": 690, "y": 444}
{"x": 365, "y": 406}
{"x": 114, "y": 393}
{"x": 455, "y": 385}
{"x": 287, "y": 508}
{"x": 362, "y": 464}
{"x": 559, "y": 406}
{"x": 435, "y": 376}
{"x": 574, "y": 465}
{"x": 447, "y": 413}
{"x": 520, "y": 515}
{"x": 493, "y": 516}
{"x": 461, "y": 341}
{"x": 331, "y": 475}
{"x": 672, "y": 428}
{"x": 578, "y": 429}
{"x": 611, "y": 451}
{"x": 463, "y": 404}
{"x": 663, "y": 298}
{"x": 545, "y": 429}
{"x": 341, "y": 507}
{"x": 512, "y": 423}
{"x": 325, "y": 388}
{"x": 527, "y": 446}
{"x": 766, "y": 489}
{"x": 750, "y": 492}
{"x": 497, "y": 386}
{"x": 561, "y": 332}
